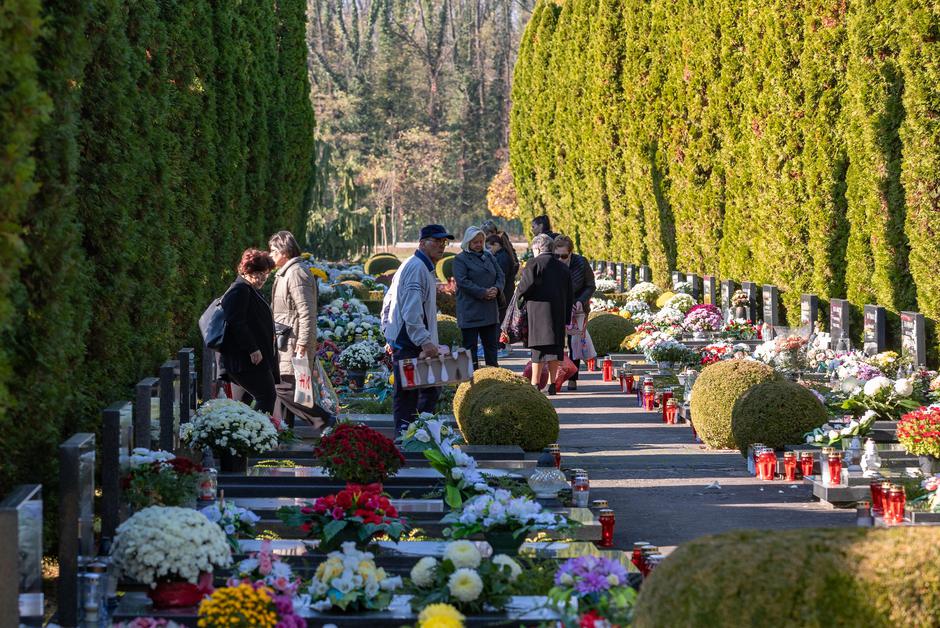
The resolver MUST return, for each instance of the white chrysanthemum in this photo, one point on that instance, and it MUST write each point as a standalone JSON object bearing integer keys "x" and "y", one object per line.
{"x": 903, "y": 387}
{"x": 463, "y": 554}
{"x": 422, "y": 574}
{"x": 514, "y": 569}
{"x": 874, "y": 385}
{"x": 465, "y": 585}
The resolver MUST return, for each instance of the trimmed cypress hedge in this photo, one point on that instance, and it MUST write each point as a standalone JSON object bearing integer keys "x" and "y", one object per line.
{"x": 782, "y": 144}
{"x": 179, "y": 133}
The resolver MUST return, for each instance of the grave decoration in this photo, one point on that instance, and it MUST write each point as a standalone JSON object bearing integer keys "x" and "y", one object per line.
{"x": 173, "y": 551}
{"x": 232, "y": 430}
{"x": 740, "y": 330}
{"x": 919, "y": 432}
{"x": 929, "y": 500}
{"x": 358, "y": 454}
{"x": 159, "y": 478}
{"x": 785, "y": 352}
{"x": 440, "y": 616}
{"x": 503, "y": 520}
{"x": 591, "y": 589}
{"x": 235, "y": 522}
{"x": 462, "y": 479}
{"x": 741, "y": 301}
{"x": 248, "y": 604}
{"x": 358, "y": 358}
{"x": 427, "y": 431}
{"x": 887, "y": 398}
{"x": 644, "y": 291}
{"x": 266, "y": 568}
{"x": 681, "y": 301}
{"x": 463, "y": 579}
{"x": 668, "y": 353}
{"x": 357, "y": 514}
{"x": 350, "y": 580}
{"x": 702, "y": 319}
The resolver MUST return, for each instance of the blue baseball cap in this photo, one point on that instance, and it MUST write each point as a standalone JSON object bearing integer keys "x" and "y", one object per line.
{"x": 435, "y": 231}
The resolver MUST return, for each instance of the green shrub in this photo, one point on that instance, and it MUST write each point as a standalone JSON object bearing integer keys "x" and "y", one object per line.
{"x": 481, "y": 379}
{"x": 447, "y": 303}
{"x": 447, "y": 331}
{"x": 445, "y": 268}
{"x": 775, "y": 413}
{"x": 717, "y": 390}
{"x": 507, "y": 413}
{"x": 359, "y": 290}
{"x": 608, "y": 332}
{"x": 381, "y": 263}
{"x": 845, "y": 577}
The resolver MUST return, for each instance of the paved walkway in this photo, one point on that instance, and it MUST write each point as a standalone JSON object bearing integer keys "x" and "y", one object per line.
{"x": 656, "y": 478}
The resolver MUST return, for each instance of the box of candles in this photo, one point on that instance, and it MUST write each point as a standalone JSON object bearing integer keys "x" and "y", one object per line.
{"x": 450, "y": 368}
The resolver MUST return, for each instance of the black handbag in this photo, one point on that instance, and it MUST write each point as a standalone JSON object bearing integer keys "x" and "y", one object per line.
{"x": 282, "y": 334}
{"x": 212, "y": 325}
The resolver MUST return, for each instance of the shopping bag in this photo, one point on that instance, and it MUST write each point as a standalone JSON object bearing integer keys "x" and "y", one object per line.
{"x": 303, "y": 376}
{"x": 582, "y": 347}
{"x": 566, "y": 371}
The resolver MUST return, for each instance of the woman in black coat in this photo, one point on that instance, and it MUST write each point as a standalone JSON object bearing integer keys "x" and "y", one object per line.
{"x": 248, "y": 353}
{"x": 545, "y": 286}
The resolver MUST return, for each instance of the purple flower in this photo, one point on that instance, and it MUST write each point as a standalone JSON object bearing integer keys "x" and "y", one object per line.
{"x": 592, "y": 583}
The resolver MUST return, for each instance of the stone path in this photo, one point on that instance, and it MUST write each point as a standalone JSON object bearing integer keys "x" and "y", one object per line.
{"x": 655, "y": 476}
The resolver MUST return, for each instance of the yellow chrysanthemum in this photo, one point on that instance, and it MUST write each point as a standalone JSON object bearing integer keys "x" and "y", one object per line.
{"x": 319, "y": 273}
{"x": 237, "y": 607}
{"x": 440, "y": 616}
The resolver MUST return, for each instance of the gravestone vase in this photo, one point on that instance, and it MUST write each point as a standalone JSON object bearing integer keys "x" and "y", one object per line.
{"x": 231, "y": 463}
{"x": 503, "y": 542}
{"x": 177, "y": 594}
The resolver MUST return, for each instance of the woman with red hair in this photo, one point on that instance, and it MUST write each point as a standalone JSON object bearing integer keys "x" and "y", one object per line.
{"x": 248, "y": 355}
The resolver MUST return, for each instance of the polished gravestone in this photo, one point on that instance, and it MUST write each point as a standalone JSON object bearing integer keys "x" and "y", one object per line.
{"x": 631, "y": 276}
{"x": 809, "y": 309}
{"x": 770, "y": 302}
{"x": 751, "y": 290}
{"x": 696, "y": 282}
{"x": 21, "y": 529}
{"x": 727, "y": 290}
{"x": 839, "y": 316}
{"x": 914, "y": 337}
{"x": 76, "y": 520}
{"x": 646, "y": 274}
{"x": 874, "y": 333}
{"x": 710, "y": 291}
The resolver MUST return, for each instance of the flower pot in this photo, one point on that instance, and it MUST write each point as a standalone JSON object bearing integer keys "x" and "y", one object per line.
{"x": 229, "y": 463}
{"x": 740, "y": 312}
{"x": 343, "y": 536}
{"x": 180, "y": 594}
{"x": 357, "y": 379}
{"x": 503, "y": 542}
{"x": 929, "y": 465}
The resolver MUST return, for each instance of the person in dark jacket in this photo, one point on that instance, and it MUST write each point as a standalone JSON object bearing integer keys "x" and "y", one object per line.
{"x": 542, "y": 224}
{"x": 582, "y": 284}
{"x": 495, "y": 245}
{"x": 248, "y": 353}
{"x": 545, "y": 286}
{"x": 479, "y": 282}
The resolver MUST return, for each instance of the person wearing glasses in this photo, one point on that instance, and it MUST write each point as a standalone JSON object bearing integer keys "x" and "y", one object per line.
{"x": 583, "y": 287}
{"x": 409, "y": 321}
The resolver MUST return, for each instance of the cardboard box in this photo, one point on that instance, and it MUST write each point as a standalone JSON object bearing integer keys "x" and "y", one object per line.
{"x": 445, "y": 370}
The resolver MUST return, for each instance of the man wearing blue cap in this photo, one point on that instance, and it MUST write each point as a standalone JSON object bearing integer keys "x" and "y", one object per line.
{"x": 409, "y": 320}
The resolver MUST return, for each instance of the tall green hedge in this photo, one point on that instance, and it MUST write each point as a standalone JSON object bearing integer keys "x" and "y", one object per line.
{"x": 763, "y": 140}
{"x": 144, "y": 144}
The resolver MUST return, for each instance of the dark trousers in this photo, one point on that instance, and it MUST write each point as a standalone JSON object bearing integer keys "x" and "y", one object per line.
{"x": 406, "y": 404}
{"x": 259, "y": 385}
{"x": 489, "y": 336}
{"x": 290, "y": 410}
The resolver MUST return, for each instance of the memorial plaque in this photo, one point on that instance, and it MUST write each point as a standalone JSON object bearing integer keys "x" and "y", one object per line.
{"x": 631, "y": 279}
{"x": 839, "y": 324}
{"x": 914, "y": 337}
{"x": 809, "y": 309}
{"x": 76, "y": 519}
{"x": 142, "y": 411}
{"x": 771, "y": 302}
{"x": 621, "y": 280}
{"x": 646, "y": 274}
{"x": 21, "y": 528}
{"x": 696, "y": 282}
{"x": 727, "y": 289}
{"x": 187, "y": 382}
{"x": 168, "y": 406}
{"x": 750, "y": 288}
{"x": 113, "y": 451}
{"x": 709, "y": 291}
{"x": 874, "y": 336}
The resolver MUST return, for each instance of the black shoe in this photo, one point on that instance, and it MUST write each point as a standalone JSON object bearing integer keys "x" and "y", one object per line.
{"x": 551, "y": 389}
{"x": 572, "y": 386}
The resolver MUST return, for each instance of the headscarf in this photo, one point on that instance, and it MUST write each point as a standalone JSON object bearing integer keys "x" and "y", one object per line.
{"x": 468, "y": 235}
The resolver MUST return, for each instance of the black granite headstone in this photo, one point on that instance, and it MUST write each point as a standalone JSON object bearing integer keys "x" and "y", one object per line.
{"x": 809, "y": 309}
{"x": 187, "y": 362}
{"x": 142, "y": 394}
{"x": 914, "y": 337}
{"x": 771, "y": 305}
{"x": 839, "y": 321}
{"x": 76, "y": 519}
{"x": 631, "y": 278}
{"x": 750, "y": 288}
{"x": 646, "y": 274}
{"x": 727, "y": 289}
{"x": 111, "y": 450}
{"x": 696, "y": 282}
{"x": 168, "y": 406}
{"x": 621, "y": 279}
{"x": 874, "y": 336}
{"x": 208, "y": 373}
{"x": 710, "y": 291}
{"x": 21, "y": 530}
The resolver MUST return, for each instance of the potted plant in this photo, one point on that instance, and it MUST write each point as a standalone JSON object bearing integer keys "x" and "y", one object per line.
{"x": 349, "y": 580}
{"x": 173, "y": 551}
{"x": 357, "y": 514}
{"x": 919, "y": 432}
{"x": 166, "y": 481}
{"x": 595, "y": 586}
{"x": 266, "y": 568}
{"x": 667, "y": 353}
{"x": 248, "y": 604}
{"x": 427, "y": 431}
{"x": 358, "y": 454}
{"x": 702, "y": 320}
{"x": 232, "y": 430}
{"x": 503, "y": 520}
{"x": 358, "y": 358}
{"x": 740, "y": 302}
{"x": 463, "y": 579}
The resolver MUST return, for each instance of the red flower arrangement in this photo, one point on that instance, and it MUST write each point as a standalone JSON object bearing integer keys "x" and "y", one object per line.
{"x": 162, "y": 483}
{"x": 356, "y": 453}
{"x": 357, "y": 513}
{"x": 714, "y": 353}
{"x": 919, "y": 431}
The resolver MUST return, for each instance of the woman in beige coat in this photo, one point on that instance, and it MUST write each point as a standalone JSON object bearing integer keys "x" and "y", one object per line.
{"x": 294, "y": 303}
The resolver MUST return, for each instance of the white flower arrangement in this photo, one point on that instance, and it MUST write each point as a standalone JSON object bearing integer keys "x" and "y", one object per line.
{"x": 682, "y": 287}
{"x": 428, "y": 431}
{"x": 499, "y": 510}
{"x": 463, "y": 578}
{"x": 682, "y": 302}
{"x": 141, "y": 457}
{"x": 668, "y": 350}
{"x": 232, "y": 519}
{"x": 350, "y": 579}
{"x": 161, "y": 543}
{"x": 360, "y": 356}
{"x": 602, "y": 305}
{"x": 669, "y": 316}
{"x": 222, "y": 424}
{"x": 266, "y": 567}
{"x": 463, "y": 554}
{"x": 605, "y": 285}
{"x": 644, "y": 291}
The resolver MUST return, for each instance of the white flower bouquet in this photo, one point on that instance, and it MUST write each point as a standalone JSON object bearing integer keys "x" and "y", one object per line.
{"x": 462, "y": 479}
{"x": 350, "y": 580}
{"x": 464, "y": 579}
{"x": 499, "y": 511}
{"x": 222, "y": 424}
{"x": 644, "y": 291}
{"x": 603, "y": 305}
{"x": 267, "y": 568}
{"x": 668, "y": 350}
{"x": 141, "y": 457}
{"x": 669, "y": 317}
{"x": 681, "y": 301}
{"x": 605, "y": 285}
{"x": 169, "y": 544}
{"x": 682, "y": 287}
{"x": 360, "y": 356}
{"x": 427, "y": 431}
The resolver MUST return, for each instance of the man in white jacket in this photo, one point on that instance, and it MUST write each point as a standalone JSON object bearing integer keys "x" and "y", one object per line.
{"x": 409, "y": 320}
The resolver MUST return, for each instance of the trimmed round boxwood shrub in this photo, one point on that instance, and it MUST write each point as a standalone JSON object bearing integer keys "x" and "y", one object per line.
{"x": 481, "y": 379}
{"x": 508, "y": 413}
{"x": 447, "y": 331}
{"x": 715, "y": 394}
{"x": 447, "y": 303}
{"x": 359, "y": 290}
{"x": 608, "y": 331}
{"x": 775, "y": 413}
{"x": 381, "y": 263}
{"x": 445, "y": 268}
{"x": 843, "y": 577}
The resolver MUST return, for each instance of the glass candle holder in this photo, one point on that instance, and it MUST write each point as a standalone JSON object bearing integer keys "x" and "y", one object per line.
{"x": 806, "y": 463}
{"x": 591, "y": 363}
{"x": 629, "y": 383}
{"x": 834, "y": 464}
{"x": 789, "y": 466}
{"x": 877, "y": 497}
{"x": 607, "y": 527}
{"x": 664, "y": 400}
{"x": 608, "y": 370}
{"x": 671, "y": 411}
{"x": 209, "y": 485}
{"x": 649, "y": 397}
{"x": 637, "y": 558}
{"x": 555, "y": 450}
{"x": 409, "y": 367}
{"x": 599, "y": 504}
{"x": 895, "y": 507}
{"x": 581, "y": 491}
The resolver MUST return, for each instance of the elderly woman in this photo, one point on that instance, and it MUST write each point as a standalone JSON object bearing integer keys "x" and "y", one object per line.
{"x": 247, "y": 353}
{"x": 479, "y": 283}
{"x": 582, "y": 283}
{"x": 545, "y": 287}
